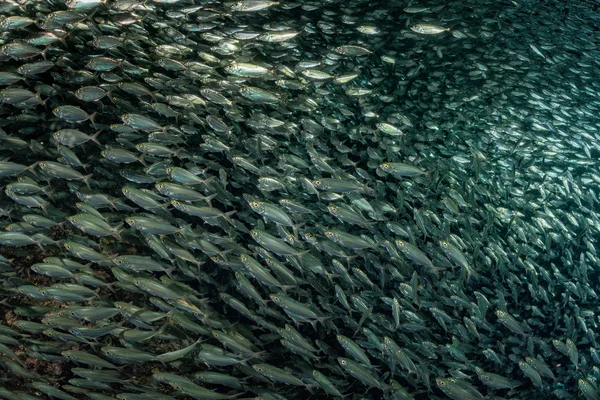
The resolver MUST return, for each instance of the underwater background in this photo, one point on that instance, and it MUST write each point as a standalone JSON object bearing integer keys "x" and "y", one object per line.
{"x": 299, "y": 199}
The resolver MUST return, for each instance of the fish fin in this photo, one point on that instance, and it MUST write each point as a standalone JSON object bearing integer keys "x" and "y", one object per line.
{"x": 94, "y": 138}
{"x": 363, "y": 318}
{"x": 295, "y": 228}
{"x": 86, "y": 180}
{"x": 300, "y": 254}
{"x": 227, "y": 216}
{"x": 92, "y": 117}
{"x": 142, "y": 160}
{"x": 285, "y": 288}
{"x": 31, "y": 167}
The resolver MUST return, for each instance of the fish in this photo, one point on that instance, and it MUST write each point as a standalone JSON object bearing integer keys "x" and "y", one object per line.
{"x": 188, "y": 185}
{"x": 510, "y": 322}
{"x": 428, "y": 29}
{"x": 494, "y": 380}
{"x": 588, "y": 389}
{"x": 324, "y": 383}
{"x": 277, "y": 374}
{"x": 401, "y": 170}
{"x": 354, "y": 350}
{"x": 361, "y": 373}
{"x": 415, "y": 255}
{"x": 456, "y": 389}
{"x": 531, "y": 373}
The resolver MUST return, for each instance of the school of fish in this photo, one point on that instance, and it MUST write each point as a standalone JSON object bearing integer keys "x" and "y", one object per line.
{"x": 299, "y": 199}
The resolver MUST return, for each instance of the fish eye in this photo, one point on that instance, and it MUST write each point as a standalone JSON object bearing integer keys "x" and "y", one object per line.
{"x": 442, "y": 383}
{"x": 259, "y": 369}
{"x": 386, "y": 165}
{"x": 275, "y": 298}
{"x": 343, "y": 362}
{"x": 254, "y": 204}
{"x": 317, "y": 182}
